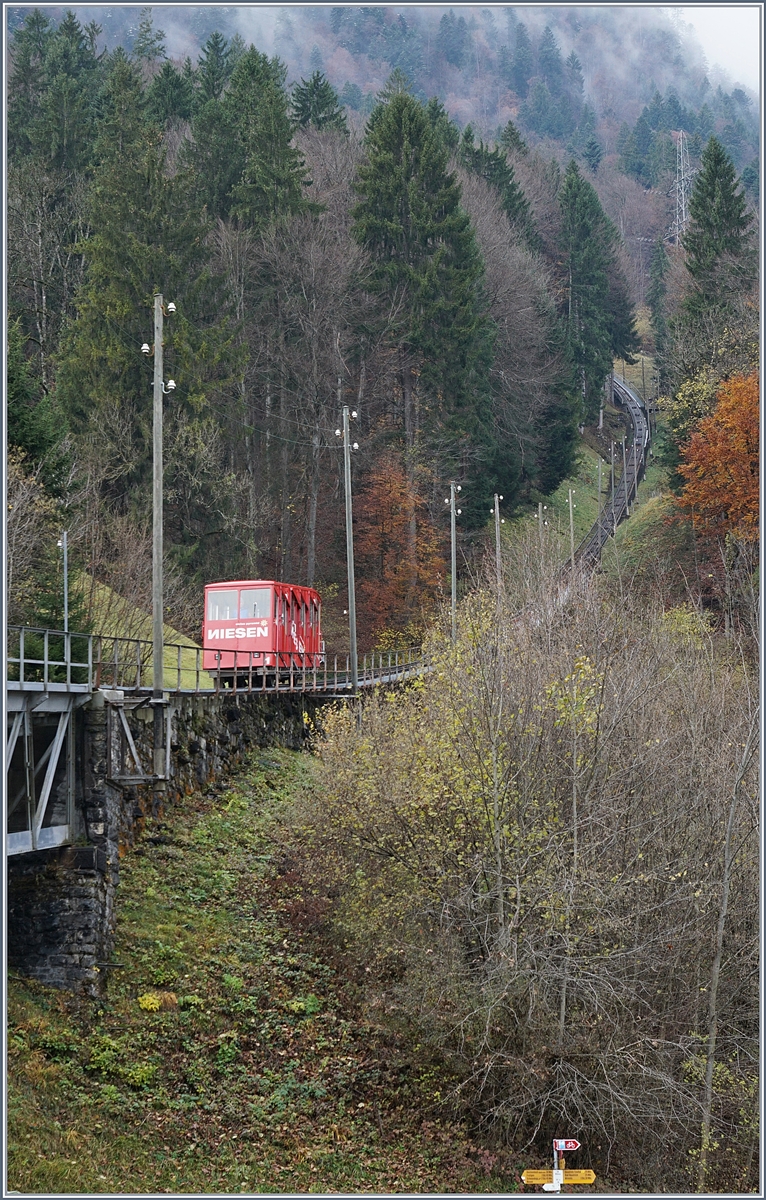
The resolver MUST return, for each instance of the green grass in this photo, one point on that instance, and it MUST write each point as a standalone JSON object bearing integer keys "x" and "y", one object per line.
{"x": 261, "y": 1070}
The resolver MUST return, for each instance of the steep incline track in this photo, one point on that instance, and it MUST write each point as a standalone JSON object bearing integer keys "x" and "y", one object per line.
{"x": 588, "y": 553}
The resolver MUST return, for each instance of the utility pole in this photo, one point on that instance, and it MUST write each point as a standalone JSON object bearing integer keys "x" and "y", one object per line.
{"x": 349, "y": 544}
{"x": 158, "y": 389}
{"x": 498, "y": 558}
{"x": 157, "y": 515}
{"x": 453, "y": 488}
{"x": 614, "y": 527}
{"x": 571, "y": 529}
{"x": 599, "y": 489}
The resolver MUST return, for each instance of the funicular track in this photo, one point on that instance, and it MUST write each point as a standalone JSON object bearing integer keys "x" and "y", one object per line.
{"x": 588, "y": 553}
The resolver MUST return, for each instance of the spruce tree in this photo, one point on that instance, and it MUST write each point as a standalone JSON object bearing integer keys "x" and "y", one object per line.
{"x": 493, "y": 166}
{"x": 62, "y": 129}
{"x": 598, "y": 312}
{"x": 315, "y": 102}
{"x": 145, "y": 236}
{"x": 28, "y": 79}
{"x": 425, "y": 255}
{"x": 655, "y": 296}
{"x": 213, "y": 68}
{"x": 170, "y": 94}
{"x": 592, "y": 153}
{"x": 720, "y": 254}
{"x": 149, "y": 44}
{"x": 550, "y": 63}
{"x": 273, "y": 180}
{"x": 522, "y": 62}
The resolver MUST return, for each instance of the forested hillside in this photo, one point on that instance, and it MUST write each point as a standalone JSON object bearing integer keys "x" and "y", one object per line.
{"x": 465, "y": 285}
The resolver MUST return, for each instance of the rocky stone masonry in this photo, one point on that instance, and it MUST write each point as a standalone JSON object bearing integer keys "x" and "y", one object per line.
{"x": 60, "y": 904}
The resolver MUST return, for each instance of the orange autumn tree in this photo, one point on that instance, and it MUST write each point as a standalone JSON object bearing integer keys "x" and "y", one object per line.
{"x": 720, "y": 463}
{"x": 393, "y": 592}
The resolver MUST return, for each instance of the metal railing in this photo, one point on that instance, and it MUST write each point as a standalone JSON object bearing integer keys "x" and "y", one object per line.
{"x": 48, "y": 659}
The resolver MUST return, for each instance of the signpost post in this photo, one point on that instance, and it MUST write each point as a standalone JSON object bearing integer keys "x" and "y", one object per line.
{"x": 552, "y": 1181}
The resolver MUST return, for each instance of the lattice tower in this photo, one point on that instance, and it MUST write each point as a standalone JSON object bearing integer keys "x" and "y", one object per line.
{"x": 683, "y": 185}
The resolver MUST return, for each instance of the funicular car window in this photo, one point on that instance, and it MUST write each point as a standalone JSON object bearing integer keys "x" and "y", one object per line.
{"x": 254, "y": 602}
{"x": 222, "y": 606}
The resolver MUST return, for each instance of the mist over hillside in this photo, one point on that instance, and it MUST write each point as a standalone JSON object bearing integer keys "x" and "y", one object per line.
{"x": 464, "y": 55}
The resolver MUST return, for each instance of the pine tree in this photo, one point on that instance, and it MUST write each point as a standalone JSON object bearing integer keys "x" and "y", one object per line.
{"x": 315, "y": 102}
{"x": 719, "y": 247}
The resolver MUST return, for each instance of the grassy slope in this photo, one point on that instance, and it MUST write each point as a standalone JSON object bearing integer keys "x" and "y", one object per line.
{"x": 113, "y": 616}
{"x": 262, "y": 1073}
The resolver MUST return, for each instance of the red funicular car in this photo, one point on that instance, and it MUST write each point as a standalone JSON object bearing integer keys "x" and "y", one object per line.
{"x": 259, "y": 625}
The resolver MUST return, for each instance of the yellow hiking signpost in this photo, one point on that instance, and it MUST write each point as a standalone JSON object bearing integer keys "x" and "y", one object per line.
{"x": 552, "y": 1181}
{"x": 567, "y": 1176}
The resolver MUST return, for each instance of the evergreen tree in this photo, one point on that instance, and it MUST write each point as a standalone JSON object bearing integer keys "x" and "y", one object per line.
{"x": 592, "y": 153}
{"x": 575, "y": 83}
{"x": 146, "y": 236}
{"x": 273, "y": 180}
{"x": 425, "y": 254}
{"x": 522, "y": 62}
{"x": 445, "y": 129}
{"x": 351, "y": 96}
{"x": 36, "y": 424}
{"x": 511, "y": 140}
{"x": 170, "y": 94}
{"x": 29, "y": 49}
{"x": 493, "y": 166}
{"x": 598, "y": 312}
{"x": 750, "y": 179}
{"x": 149, "y": 44}
{"x": 315, "y": 102}
{"x": 452, "y": 40}
{"x": 655, "y": 296}
{"x": 720, "y": 254}
{"x": 549, "y": 60}
{"x": 213, "y": 68}
{"x": 62, "y": 130}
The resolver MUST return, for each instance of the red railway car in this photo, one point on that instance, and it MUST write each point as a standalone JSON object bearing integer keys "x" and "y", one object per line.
{"x": 260, "y": 625}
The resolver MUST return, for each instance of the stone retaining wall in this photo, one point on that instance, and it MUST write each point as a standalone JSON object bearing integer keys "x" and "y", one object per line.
{"x": 60, "y": 907}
